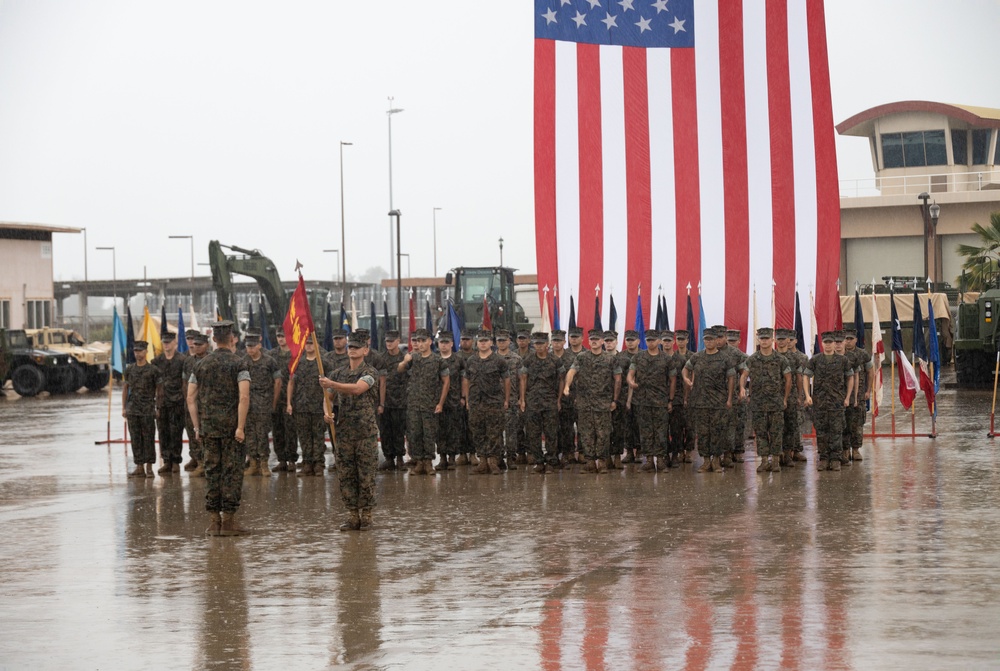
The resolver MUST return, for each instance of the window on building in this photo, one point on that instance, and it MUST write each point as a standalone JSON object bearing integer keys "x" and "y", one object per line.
{"x": 980, "y": 145}
{"x": 914, "y": 149}
{"x": 996, "y": 154}
{"x": 960, "y": 146}
{"x": 39, "y": 314}
{"x": 4, "y": 313}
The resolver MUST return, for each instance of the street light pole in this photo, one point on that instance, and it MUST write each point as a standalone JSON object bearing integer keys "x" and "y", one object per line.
{"x": 86, "y": 291}
{"x": 392, "y": 110}
{"x": 399, "y": 264}
{"x": 114, "y": 271}
{"x": 935, "y": 211}
{"x": 501, "y": 252}
{"x": 436, "y": 210}
{"x": 343, "y": 243}
{"x": 925, "y": 211}
{"x": 337, "y": 252}
{"x": 191, "y": 238}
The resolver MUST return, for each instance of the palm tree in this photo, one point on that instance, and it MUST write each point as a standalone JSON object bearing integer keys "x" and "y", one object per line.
{"x": 982, "y": 264}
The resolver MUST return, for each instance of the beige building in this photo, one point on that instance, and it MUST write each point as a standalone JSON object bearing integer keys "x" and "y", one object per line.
{"x": 948, "y": 152}
{"x": 26, "y": 296}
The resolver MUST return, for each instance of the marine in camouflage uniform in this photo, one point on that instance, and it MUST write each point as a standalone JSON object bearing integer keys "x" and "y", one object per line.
{"x": 854, "y": 420}
{"x": 649, "y": 378}
{"x": 514, "y": 445}
{"x": 451, "y": 423}
{"x": 486, "y": 390}
{"x": 633, "y": 442}
{"x": 598, "y": 383}
{"x": 567, "y": 406}
{"x": 392, "y": 421}
{"x": 171, "y": 412}
{"x": 286, "y": 439}
{"x": 799, "y": 396}
{"x": 265, "y": 386}
{"x": 790, "y": 435}
{"x": 832, "y": 382}
{"x": 736, "y": 431}
{"x": 219, "y": 399}
{"x": 139, "y": 400}
{"x": 198, "y": 348}
{"x": 306, "y": 406}
{"x": 618, "y": 415}
{"x": 770, "y": 384}
{"x": 466, "y": 454}
{"x": 356, "y": 387}
{"x": 539, "y": 400}
{"x": 711, "y": 378}
{"x": 333, "y": 360}
{"x": 682, "y": 431}
{"x": 426, "y": 392}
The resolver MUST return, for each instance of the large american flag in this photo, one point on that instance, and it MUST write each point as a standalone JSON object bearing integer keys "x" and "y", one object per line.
{"x": 685, "y": 142}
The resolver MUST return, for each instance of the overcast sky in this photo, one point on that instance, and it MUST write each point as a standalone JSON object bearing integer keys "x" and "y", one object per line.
{"x": 222, "y": 120}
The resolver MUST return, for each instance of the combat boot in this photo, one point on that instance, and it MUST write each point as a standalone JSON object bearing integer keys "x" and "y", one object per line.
{"x": 602, "y": 466}
{"x": 176, "y": 467}
{"x": 230, "y": 527}
{"x": 493, "y": 465}
{"x": 387, "y": 465}
{"x": 822, "y": 465}
{"x": 191, "y": 464}
{"x": 482, "y": 468}
{"x": 649, "y": 466}
{"x": 675, "y": 460}
{"x": 252, "y": 469}
{"x": 215, "y": 524}
{"x": 442, "y": 464}
{"x": 473, "y": 459}
{"x": 279, "y": 467}
{"x": 149, "y": 471}
{"x": 353, "y": 521}
{"x": 319, "y": 470}
{"x": 706, "y": 465}
{"x": 629, "y": 457}
{"x": 512, "y": 463}
{"x": 450, "y": 460}
{"x": 166, "y": 469}
{"x": 717, "y": 466}
{"x": 263, "y": 468}
{"x": 727, "y": 460}
{"x": 687, "y": 457}
{"x": 775, "y": 464}
{"x": 139, "y": 472}
{"x": 400, "y": 463}
{"x": 332, "y": 467}
{"x": 835, "y": 464}
{"x": 764, "y": 466}
{"x": 617, "y": 462}
{"x": 307, "y": 470}
{"x": 540, "y": 468}
{"x": 845, "y": 457}
{"x": 800, "y": 456}
{"x": 461, "y": 460}
{"x": 525, "y": 459}
{"x": 199, "y": 471}
{"x": 416, "y": 468}
{"x": 429, "y": 467}
{"x": 856, "y": 454}
{"x": 589, "y": 466}
{"x": 366, "y": 519}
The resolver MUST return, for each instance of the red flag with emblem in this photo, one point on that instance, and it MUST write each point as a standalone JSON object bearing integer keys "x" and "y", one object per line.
{"x": 298, "y": 324}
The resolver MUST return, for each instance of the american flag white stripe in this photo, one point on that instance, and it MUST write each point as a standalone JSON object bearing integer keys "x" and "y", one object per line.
{"x": 615, "y": 194}
{"x": 661, "y": 173}
{"x": 567, "y": 179}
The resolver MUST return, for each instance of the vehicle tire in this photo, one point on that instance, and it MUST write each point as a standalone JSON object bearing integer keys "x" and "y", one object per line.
{"x": 60, "y": 381}
{"x": 78, "y": 376}
{"x": 28, "y": 380}
{"x": 97, "y": 380}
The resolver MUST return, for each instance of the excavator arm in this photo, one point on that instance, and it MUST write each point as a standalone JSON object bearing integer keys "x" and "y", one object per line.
{"x": 251, "y": 263}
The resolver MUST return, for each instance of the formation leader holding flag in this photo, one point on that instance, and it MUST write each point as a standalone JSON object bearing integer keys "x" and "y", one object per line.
{"x": 299, "y": 328}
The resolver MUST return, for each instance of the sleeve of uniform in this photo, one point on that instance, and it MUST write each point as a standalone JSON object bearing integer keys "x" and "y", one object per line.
{"x": 368, "y": 379}
{"x": 275, "y": 369}
{"x": 445, "y": 370}
{"x": 807, "y": 369}
{"x": 504, "y": 372}
{"x": 243, "y": 372}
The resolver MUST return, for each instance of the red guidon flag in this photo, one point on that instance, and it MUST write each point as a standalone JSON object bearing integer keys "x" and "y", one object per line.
{"x": 298, "y": 324}
{"x": 685, "y": 143}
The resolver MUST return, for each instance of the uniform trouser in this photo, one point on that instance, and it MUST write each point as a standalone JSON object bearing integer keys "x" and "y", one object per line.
{"x": 142, "y": 431}
{"x": 224, "y": 459}
{"x": 618, "y": 429}
{"x": 829, "y": 423}
{"x": 392, "y": 430}
{"x": 768, "y": 428}
{"x": 790, "y": 428}
{"x": 854, "y": 426}
{"x": 595, "y": 433}
{"x": 681, "y": 430}
{"x": 170, "y": 426}
{"x": 286, "y": 440}
{"x": 512, "y": 432}
{"x": 567, "y": 429}
{"x": 257, "y": 429}
{"x": 450, "y": 431}
{"x": 194, "y": 444}
{"x": 740, "y": 418}
{"x": 712, "y": 430}
{"x": 538, "y": 421}
{"x": 633, "y": 441}
{"x": 311, "y": 429}
{"x": 467, "y": 444}
{"x": 486, "y": 423}
{"x": 729, "y": 417}
{"x": 421, "y": 433}
{"x": 357, "y": 461}
{"x": 654, "y": 430}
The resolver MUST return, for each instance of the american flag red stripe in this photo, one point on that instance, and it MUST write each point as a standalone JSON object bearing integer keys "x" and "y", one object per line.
{"x": 714, "y": 164}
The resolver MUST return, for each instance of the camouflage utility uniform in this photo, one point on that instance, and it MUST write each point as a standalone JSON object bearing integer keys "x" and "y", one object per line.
{"x": 595, "y": 388}
{"x": 263, "y": 373}
{"x": 194, "y": 444}
{"x": 829, "y": 373}
{"x": 707, "y": 400}
{"x": 426, "y": 380}
{"x": 357, "y": 437}
{"x": 487, "y": 417}
{"x": 766, "y": 400}
{"x": 170, "y": 419}
{"x": 140, "y": 410}
{"x": 541, "y": 402}
{"x": 567, "y": 408}
{"x": 392, "y": 423}
{"x": 307, "y": 410}
{"x": 681, "y": 427}
{"x": 651, "y": 399}
{"x": 451, "y": 424}
{"x": 515, "y": 419}
{"x": 854, "y": 415}
{"x": 286, "y": 441}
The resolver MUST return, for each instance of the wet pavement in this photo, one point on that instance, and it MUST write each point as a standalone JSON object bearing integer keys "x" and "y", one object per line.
{"x": 892, "y": 563}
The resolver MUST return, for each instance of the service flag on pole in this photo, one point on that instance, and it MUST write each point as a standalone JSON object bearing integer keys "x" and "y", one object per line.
{"x": 920, "y": 354}
{"x": 878, "y": 356}
{"x": 298, "y": 324}
{"x": 907, "y": 378}
{"x": 487, "y": 322}
{"x": 640, "y": 322}
{"x": 934, "y": 351}
{"x": 151, "y": 334}
{"x": 118, "y": 344}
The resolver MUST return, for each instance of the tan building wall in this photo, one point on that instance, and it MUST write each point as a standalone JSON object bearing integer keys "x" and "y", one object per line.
{"x": 25, "y": 275}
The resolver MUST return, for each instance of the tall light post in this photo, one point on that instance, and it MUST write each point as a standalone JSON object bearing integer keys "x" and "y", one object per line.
{"x": 337, "y": 252}
{"x": 392, "y": 253}
{"x": 191, "y": 238}
{"x": 935, "y": 211}
{"x": 435, "y": 213}
{"x": 86, "y": 291}
{"x": 925, "y": 212}
{"x": 114, "y": 270}
{"x": 343, "y": 242}
{"x": 501, "y": 252}
{"x": 399, "y": 262}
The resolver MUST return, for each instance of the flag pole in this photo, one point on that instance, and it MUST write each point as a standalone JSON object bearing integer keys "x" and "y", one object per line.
{"x": 892, "y": 389}
{"x": 111, "y": 391}
{"x": 326, "y": 399}
{"x": 993, "y": 408}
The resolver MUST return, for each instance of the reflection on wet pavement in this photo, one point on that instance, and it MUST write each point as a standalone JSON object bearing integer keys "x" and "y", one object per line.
{"x": 890, "y": 563}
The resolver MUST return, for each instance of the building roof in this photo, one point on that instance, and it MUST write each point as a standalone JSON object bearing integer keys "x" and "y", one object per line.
{"x": 860, "y": 124}
{"x": 22, "y": 226}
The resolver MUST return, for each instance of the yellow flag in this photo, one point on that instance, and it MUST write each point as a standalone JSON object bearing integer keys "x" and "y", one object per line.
{"x": 151, "y": 333}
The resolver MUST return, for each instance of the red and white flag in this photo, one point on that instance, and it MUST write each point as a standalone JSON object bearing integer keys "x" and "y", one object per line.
{"x": 878, "y": 356}
{"x": 686, "y": 142}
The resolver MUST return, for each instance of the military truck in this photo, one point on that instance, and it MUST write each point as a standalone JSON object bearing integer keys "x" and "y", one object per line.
{"x": 31, "y": 370}
{"x": 497, "y": 284}
{"x": 977, "y": 341}
{"x": 91, "y": 363}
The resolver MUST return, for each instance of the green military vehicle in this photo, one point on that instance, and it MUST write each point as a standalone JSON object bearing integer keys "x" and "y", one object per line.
{"x": 91, "y": 363}
{"x": 497, "y": 284}
{"x": 32, "y": 371}
{"x": 978, "y": 340}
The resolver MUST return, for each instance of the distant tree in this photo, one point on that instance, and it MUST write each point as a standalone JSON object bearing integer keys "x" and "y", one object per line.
{"x": 982, "y": 263}
{"x": 373, "y": 275}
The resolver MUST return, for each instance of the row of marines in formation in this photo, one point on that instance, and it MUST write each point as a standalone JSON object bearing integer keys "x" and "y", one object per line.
{"x": 494, "y": 406}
